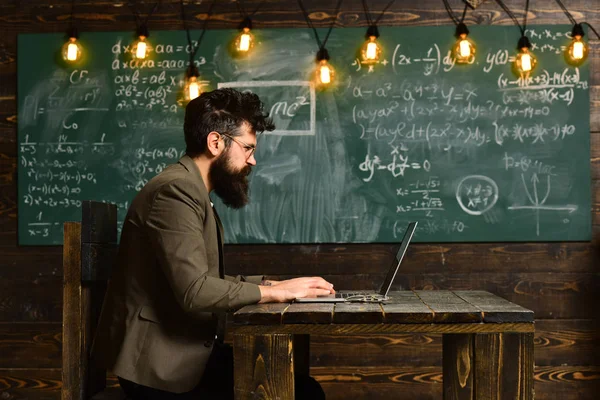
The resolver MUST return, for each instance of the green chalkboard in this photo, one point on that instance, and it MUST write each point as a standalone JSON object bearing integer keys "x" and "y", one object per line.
{"x": 470, "y": 151}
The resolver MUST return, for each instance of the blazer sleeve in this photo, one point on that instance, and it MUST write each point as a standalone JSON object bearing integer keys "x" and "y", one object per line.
{"x": 256, "y": 279}
{"x": 175, "y": 228}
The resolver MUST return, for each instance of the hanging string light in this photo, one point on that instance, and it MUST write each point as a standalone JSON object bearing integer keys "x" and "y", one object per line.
{"x": 370, "y": 52}
{"x": 577, "y": 51}
{"x": 140, "y": 48}
{"x": 193, "y": 87}
{"x": 464, "y": 49}
{"x": 324, "y": 73}
{"x": 71, "y": 51}
{"x": 244, "y": 41}
{"x": 525, "y": 61}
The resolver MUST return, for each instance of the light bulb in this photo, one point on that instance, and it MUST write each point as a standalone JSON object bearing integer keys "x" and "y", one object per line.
{"x": 192, "y": 88}
{"x": 71, "y": 50}
{"x": 139, "y": 49}
{"x": 464, "y": 49}
{"x": 245, "y": 41}
{"x": 371, "y": 51}
{"x": 325, "y": 73}
{"x": 577, "y": 51}
{"x": 525, "y": 62}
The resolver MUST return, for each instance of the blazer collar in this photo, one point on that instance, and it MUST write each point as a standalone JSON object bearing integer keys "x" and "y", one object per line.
{"x": 191, "y": 166}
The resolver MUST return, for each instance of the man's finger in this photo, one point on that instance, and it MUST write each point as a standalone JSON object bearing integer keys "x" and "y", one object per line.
{"x": 318, "y": 292}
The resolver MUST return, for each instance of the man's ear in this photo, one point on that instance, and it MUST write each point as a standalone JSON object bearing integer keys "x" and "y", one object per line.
{"x": 214, "y": 143}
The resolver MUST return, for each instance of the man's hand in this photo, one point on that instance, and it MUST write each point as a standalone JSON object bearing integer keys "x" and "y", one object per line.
{"x": 284, "y": 291}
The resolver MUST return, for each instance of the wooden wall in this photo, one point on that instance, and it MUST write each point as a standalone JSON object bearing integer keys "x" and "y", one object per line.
{"x": 559, "y": 281}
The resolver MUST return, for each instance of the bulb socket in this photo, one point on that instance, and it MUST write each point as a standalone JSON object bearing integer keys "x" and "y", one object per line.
{"x": 72, "y": 33}
{"x": 322, "y": 54}
{"x": 192, "y": 70}
{"x": 142, "y": 31}
{"x": 246, "y": 23}
{"x": 524, "y": 42}
{"x": 461, "y": 29}
{"x": 577, "y": 30}
{"x": 372, "y": 31}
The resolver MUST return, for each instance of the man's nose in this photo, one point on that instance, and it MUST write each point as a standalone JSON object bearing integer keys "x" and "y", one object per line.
{"x": 251, "y": 160}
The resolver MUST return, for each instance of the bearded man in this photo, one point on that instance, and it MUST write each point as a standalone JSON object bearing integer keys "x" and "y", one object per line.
{"x": 159, "y": 329}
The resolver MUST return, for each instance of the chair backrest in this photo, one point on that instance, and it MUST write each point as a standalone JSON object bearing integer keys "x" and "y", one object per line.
{"x": 89, "y": 251}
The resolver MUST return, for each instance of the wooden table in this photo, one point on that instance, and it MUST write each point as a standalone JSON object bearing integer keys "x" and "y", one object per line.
{"x": 487, "y": 340}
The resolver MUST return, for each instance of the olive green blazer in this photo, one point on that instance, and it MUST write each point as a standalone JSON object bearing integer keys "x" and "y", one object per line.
{"x": 158, "y": 320}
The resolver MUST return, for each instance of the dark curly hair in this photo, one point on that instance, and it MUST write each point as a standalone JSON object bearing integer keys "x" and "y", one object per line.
{"x": 224, "y": 111}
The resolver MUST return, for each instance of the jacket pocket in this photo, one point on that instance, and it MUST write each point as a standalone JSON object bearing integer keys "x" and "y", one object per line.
{"x": 149, "y": 314}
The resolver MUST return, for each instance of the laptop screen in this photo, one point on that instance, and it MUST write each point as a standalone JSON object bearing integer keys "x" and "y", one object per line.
{"x": 387, "y": 283}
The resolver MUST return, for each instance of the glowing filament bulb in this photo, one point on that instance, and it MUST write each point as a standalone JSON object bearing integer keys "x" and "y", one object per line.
{"x": 371, "y": 50}
{"x": 71, "y": 50}
{"x": 578, "y": 50}
{"x": 325, "y": 73}
{"x": 140, "y": 48}
{"x": 244, "y": 42}
{"x": 526, "y": 62}
{"x": 464, "y": 49}
{"x": 193, "y": 88}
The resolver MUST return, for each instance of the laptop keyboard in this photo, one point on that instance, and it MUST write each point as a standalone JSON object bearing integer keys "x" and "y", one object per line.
{"x": 345, "y": 295}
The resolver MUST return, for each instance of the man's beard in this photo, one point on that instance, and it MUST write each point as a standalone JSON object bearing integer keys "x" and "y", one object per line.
{"x": 230, "y": 185}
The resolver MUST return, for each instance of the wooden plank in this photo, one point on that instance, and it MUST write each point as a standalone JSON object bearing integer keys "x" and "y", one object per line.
{"x": 407, "y": 382}
{"x": 40, "y": 384}
{"x": 358, "y": 329}
{"x": 494, "y": 308}
{"x": 27, "y": 384}
{"x": 262, "y": 314}
{"x": 517, "y": 366}
{"x": 366, "y": 350}
{"x": 570, "y": 342}
{"x": 557, "y": 342}
{"x": 92, "y": 300}
{"x": 458, "y": 367}
{"x": 31, "y": 345}
{"x": 263, "y": 367}
{"x": 454, "y": 258}
{"x": 99, "y": 222}
{"x": 73, "y": 364}
{"x": 98, "y": 260}
{"x": 403, "y": 382}
{"x": 358, "y": 313}
{"x": 405, "y": 307}
{"x": 448, "y": 307}
{"x": 487, "y": 368}
{"x": 504, "y": 366}
{"x": 307, "y": 313}
{"x": 36, "y": 300}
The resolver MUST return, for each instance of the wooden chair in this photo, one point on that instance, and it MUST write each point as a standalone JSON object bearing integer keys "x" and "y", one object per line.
{"x": 89, "y": 251}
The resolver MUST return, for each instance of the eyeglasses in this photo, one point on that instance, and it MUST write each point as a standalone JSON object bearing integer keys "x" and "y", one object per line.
{"x": 248, "y": 148}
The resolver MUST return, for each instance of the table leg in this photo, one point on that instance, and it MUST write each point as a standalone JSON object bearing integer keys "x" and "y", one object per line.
{"x": 496, "y": 366}
{"x": 302, "y": 355}
{"x": 263, "y": 366}
{"x": 504, "y": 366}
{"x": 458, "y": 362}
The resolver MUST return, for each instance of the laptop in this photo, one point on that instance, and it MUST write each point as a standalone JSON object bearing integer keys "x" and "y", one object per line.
{"x": 372, "y": 296}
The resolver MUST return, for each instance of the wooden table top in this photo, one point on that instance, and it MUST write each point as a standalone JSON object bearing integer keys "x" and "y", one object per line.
{"x": 406, "y": 311}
